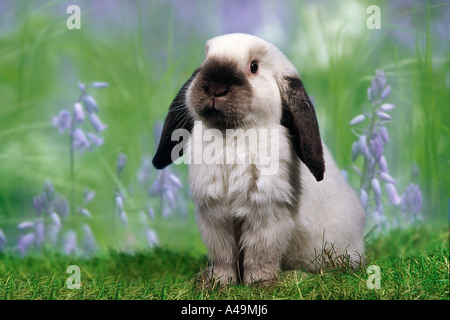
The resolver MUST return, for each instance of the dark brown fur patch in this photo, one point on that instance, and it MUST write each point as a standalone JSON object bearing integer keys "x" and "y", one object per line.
{"x": 299, "y": 117}
{"x": 227, "y": 109}
{"x": 179, "y": 117}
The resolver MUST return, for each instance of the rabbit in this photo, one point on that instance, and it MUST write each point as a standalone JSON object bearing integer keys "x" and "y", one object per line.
{"x": 303, "y": 214}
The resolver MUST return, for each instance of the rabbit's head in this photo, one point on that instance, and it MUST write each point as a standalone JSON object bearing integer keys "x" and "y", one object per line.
{"x": 245, "y": 82}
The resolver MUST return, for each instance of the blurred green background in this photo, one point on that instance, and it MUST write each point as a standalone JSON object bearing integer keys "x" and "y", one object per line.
{"x": 145, "y": 50}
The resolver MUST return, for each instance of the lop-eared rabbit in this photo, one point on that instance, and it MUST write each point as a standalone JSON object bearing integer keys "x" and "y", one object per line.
{"x": 259, "y": 211}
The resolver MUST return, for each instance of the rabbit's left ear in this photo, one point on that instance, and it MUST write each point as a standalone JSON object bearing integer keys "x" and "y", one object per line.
{"x": 178, "y": 117}
{"x": 299, "y": 117}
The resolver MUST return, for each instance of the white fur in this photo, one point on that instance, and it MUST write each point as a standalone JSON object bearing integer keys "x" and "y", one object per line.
{"x": 329, "y": 215}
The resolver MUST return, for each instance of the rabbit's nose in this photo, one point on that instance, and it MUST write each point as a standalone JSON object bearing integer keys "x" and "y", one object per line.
{"x": 217, "y": 89}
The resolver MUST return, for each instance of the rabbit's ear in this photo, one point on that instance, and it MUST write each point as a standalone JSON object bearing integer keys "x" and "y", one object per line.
{"x": 299, "y": 117}
{"x": 178, "y": 117}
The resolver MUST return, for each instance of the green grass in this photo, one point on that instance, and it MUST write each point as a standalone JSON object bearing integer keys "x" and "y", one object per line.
{"x": 410, "y": 270}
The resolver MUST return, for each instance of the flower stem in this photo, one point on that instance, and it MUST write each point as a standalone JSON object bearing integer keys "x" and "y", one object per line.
{"x": 365, "y": 174}
{"x": 72, "y": 167}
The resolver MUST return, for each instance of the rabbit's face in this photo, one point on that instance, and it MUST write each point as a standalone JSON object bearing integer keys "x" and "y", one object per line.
{"x": 236, "y": 85}
{"x": 244, "y": 82}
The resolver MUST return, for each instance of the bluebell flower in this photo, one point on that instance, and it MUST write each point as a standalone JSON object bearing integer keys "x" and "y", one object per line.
{"x": 166, "y": 186}
{"x": 38, "y": 204}
{"x": 411, "y": 201}
{"x": 364, "y": 197}
{"x": 387, "y": 178}
{"x": 89, "y": 243}
{"x": 63, "y": 121}
{"x": 25, "y": 242}
{"x": 84, "y": 212}
{"x": 55, "y": 220}
{"x": 90, "y": 104}
{"x": 25, "y": 225}
{"x": 78, "y": 112}
{"x": 376, "y": 147}
{"x": 70, "y": 242}
{"x": 99, "y": 85}
{"x": 392, "y": 193}
{"x": 96, "y": 140}
{"x": 384, "y": 134}
{"x": 358, "y": 119}
{"x": 152, "y": 239}
{"x": 151, "y": 213}
{"x": 97, "y": 123}
{"x": 80, "y": 142}
{"x": 371, "y": 145}
{"x": 383, "y": 115}
{"x": 387, "y": 107}
{"x": 88, "y": 195}
{"x": 39, "y": 232}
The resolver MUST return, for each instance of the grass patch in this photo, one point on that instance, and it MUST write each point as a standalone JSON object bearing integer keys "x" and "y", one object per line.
{"x": 168, "y": 275}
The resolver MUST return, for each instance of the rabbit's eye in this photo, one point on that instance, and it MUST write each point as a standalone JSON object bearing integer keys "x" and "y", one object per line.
{"x": 253, "y": 67}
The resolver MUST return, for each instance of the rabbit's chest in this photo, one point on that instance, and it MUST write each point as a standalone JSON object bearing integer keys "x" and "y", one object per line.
{"x": 234, "y": 176}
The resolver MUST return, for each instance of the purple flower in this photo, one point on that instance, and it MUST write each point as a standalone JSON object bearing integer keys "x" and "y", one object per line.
{"x": 166, "y": 187}
{"x": 25, "y": 225}
{"x": 90, "y": 104}
{"x": 88, "y": 195}
{"x": 392, "y": 193}
{"x": 376, "y": 186}
{"x": 376, "y": 147}
{"x": 97, "y": 123}
{"x": 387, "y": 107}
{"x": 364, "y": 198}
{"x": 62, "y": 206}
{"x": 99, "y": 85}
{"x": 119, "y": 203}
{"x": 412, "y": 199}
{"x": 383, "y": 164}
{"x": 358, "y": 119}
{"x": 98, "y": 141}
{"x": 79, "y": 141}
{"x": 55, "y": 220}
{"x": 70, "y": 242}
{"x": 78, "y": 112}
{"x": 38, "y": 204}
{"x": 152, "y": 239}
{"x": 63, "y": 121}
{"x": 363, "y": 149}
{"x": 387, "y": 178}
{"x": 89, "y": 244}
{"x": 383, "y": 134}
{"x": 386, "y": 92}
{"x": 383, "y": 115}
{"x": 85, "y": 212}
{"x": 151, "y": 213}
{"x": 82, "y": 87}
{"x": 39, "y": 233}
{"x": 372, "y": 150}
{"x": 25, "y": 242}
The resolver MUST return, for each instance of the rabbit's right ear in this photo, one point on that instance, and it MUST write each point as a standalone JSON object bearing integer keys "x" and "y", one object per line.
{"x": 299, "y": 116}
{"x": 178, "y": 117}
